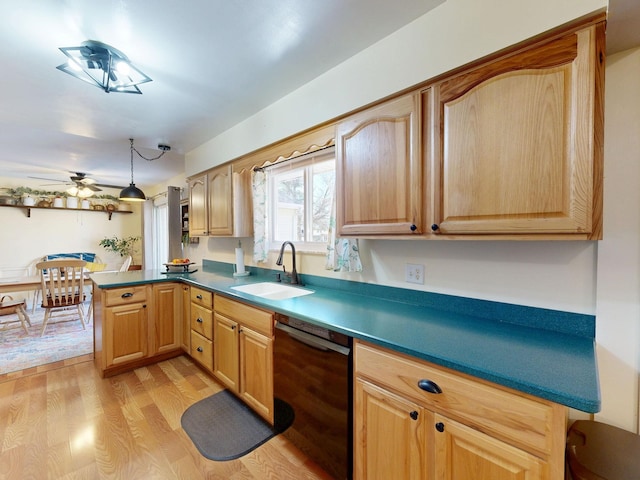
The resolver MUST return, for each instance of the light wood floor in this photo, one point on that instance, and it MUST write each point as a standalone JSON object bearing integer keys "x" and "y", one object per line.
{"x": 65, "y": 422}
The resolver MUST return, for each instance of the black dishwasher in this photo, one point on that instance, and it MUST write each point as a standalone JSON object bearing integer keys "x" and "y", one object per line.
{"x": 312, "y": 373}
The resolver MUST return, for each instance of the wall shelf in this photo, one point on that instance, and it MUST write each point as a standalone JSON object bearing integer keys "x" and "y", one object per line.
{"x": 28, "y": 209}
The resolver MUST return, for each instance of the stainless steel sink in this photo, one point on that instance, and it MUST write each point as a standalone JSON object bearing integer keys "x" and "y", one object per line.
{"x": 272, "y": 290}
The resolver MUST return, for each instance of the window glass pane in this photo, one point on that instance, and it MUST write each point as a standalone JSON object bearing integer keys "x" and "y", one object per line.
{"x": 323, "y": 185}
{"x": 289, "y": 224}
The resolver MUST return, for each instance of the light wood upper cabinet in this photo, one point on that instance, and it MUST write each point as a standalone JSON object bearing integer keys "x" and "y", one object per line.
{"x": 221, "y": 203}
{"x": 379, "y": 170}
{"x": 198, "y": 212}
{"x": 518, "y": 142}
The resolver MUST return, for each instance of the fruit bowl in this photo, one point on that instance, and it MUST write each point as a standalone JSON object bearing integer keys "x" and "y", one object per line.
{"x": 183, "y": 263}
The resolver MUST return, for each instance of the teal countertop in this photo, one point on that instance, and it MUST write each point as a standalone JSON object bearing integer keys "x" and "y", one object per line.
{"x": 546, "y": 353}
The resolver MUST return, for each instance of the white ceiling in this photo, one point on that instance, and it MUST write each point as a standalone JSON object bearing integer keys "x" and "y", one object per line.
{"x": 213, "y": 64}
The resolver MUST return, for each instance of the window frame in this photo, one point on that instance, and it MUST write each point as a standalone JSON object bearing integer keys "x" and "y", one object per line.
{"x": 304, "y": 163}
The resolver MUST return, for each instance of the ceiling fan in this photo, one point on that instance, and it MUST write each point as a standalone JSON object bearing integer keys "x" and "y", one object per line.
{"x": 80, "y": 180}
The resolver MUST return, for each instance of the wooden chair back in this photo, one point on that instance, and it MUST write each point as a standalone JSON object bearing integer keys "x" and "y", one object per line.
{"x": 62, "y": 282}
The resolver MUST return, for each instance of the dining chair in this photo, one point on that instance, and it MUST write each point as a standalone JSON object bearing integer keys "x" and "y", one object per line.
{"x": 62, "y": 290}
{"x": 9, "y": 306}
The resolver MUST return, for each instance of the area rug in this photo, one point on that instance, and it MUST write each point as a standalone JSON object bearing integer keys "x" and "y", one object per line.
{"x": 61, "y": 341}
{"x": 223, "y": 428}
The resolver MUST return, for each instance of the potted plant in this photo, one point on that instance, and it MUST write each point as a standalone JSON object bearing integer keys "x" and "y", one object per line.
{"x": 122, "y": 246}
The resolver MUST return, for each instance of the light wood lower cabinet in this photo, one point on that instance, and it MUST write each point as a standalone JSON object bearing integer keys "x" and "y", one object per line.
{"x": 227, "y": 358}
{"x": 462, "y": 453}
{"x": 389, "y": 442}
{"x": 185, "y": 329}
{"x": 471, "y": 430}
{"x": 167, "y": 314}
{"x": 136, "y": 325}
{"x": 125, "y": 334}
{"x": 201, "y": 348}
{"x": 243, "y": 353}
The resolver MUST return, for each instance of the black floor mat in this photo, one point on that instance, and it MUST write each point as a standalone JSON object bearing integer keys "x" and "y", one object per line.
{"x": 223, "y": 428}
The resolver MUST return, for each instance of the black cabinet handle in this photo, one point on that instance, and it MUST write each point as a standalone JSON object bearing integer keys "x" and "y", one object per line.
{"x": 200, "y": 349}
{"x": 199, "y": 297}
{"x": 435, "y": 227}
{"x": 199, "y": 320}
{"x": 413, "y": 228}
{"x": 414, "y": 415}
{"x": 127, "y": 295}
{"x": 233, "y": 327}
{"x": 429, "y": 386}
{"x": 440, "y": 426}
{"x": 144, "y": 306}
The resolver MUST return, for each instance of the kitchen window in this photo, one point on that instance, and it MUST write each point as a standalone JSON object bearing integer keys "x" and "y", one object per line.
{"x": 300, "y": 196}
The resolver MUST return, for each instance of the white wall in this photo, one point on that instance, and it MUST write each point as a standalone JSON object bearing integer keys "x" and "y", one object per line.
{"x": 618, "y": 266}
{"x": 451, "y": 35}
{"x": 24, "y": 239}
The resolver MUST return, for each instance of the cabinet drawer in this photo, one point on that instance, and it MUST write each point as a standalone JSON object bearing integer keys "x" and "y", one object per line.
{"x": 515, "y": 417}
{"x": 202, "y": 297}
{"x": 251, "y": 317}
{"x": 125, "y": 295}
{"x": 202, "y": 320}
{"x": 202, "y": 350}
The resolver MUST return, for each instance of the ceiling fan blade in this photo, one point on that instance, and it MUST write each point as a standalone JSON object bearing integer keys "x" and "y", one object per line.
{"x": 91, "y": 187}
{"x": 104, "y": 185}
{"x": 51, "y": 180}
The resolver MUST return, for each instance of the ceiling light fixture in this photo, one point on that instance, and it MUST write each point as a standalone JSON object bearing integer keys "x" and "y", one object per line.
{"x": 133, "y": 193}
{"x": 82, "y": 192}
{"x": 103, "y": 66}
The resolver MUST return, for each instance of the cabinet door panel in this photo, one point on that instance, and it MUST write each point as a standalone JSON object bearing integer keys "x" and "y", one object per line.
{"x": 463, "y": 453}
{"x": 185, "y": 327}
{"x": 225, "y": 351}
{"x": 516, "y": 143}
{"x": 378, "y": 171}
{"x": 388, "y": 442}
{"x": 198, "y": 206}
{"x": 220, "y": 201}
{"x": 125, "y": 333}
{"x": 167, "y": 312}
{"x": 256, "y": 367}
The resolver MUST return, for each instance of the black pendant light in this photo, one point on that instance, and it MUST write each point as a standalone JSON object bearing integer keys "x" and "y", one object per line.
{"x": 132, "y": 193}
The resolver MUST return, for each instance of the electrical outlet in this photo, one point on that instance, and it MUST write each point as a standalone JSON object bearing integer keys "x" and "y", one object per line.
{"x": 414, "y": 273}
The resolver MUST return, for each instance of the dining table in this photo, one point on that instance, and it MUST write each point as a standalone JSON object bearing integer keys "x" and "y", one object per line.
{"x": 20, "y": 284}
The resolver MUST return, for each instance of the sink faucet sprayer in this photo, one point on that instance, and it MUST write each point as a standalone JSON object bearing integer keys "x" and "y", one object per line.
{"x": 294, "y": 273}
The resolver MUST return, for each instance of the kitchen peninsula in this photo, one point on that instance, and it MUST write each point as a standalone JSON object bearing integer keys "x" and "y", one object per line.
{"x": 547, "y": 353}
{"x": 498, "y": 376}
